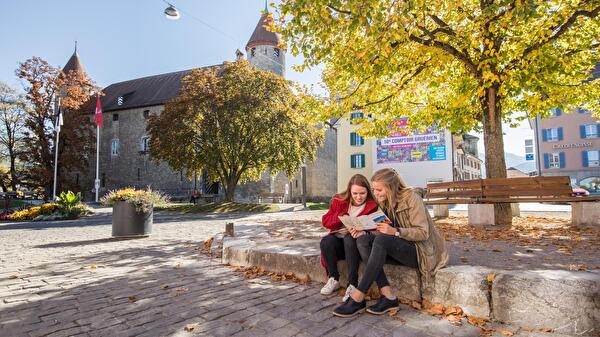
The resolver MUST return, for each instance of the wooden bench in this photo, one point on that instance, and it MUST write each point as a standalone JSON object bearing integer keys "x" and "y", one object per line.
{"x": 507, "y": 190}
{"x": 206, "y": 198}
{"x": 272, "y": 197}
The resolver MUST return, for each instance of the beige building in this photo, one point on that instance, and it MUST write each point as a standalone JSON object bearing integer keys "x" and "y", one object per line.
{"x": 420, "y": 157}
{"x": 569, "y": 144}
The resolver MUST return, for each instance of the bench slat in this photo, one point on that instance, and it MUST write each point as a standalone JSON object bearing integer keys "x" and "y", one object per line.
{"x": 452, "y": 194}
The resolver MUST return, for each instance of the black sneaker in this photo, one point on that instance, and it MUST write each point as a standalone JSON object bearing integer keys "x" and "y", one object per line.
{"x": 350, "y": 308}
{"x": 383, "y": 305}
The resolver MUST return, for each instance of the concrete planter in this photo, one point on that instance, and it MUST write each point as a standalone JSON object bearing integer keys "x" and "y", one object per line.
{"x": 127, "y": 222}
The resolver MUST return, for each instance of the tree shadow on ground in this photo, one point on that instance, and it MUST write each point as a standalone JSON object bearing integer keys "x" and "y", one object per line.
{"x": 153, "y": 290}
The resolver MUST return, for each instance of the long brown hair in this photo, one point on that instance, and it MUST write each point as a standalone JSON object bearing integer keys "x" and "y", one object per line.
{"x": 395, "y": 188}
{"x": 358, "y": 180}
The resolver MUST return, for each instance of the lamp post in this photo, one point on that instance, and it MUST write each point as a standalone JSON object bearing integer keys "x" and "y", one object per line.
{"x": 303, "y": 166}
{"x": 171, "y": 12}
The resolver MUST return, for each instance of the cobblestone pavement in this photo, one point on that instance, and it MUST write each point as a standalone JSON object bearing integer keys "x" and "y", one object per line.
{"x": 68, "y": 278}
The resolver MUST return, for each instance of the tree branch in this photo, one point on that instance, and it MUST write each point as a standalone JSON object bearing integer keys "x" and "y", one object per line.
{"x": 338, "y": 10}
{"x": 403, "y": 82}
{"x": 558, "y": 30}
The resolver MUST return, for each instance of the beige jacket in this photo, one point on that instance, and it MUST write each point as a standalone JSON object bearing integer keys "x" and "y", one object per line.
{"x": 416, "y": 225}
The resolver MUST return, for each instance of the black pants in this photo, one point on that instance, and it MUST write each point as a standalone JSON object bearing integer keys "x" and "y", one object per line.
{"x": 334, "y": 249}
{"x": 375, "y": 249}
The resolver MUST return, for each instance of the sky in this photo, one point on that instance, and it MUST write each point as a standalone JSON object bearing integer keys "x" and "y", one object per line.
{"x": 120, "y": 40}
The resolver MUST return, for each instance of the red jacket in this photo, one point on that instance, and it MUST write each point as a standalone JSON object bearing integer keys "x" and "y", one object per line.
{"x": 340, "y": 207}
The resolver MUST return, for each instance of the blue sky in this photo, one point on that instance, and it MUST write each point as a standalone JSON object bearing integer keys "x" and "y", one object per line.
{"x": 127, "y": 39}
{"x": 121, "y": 40}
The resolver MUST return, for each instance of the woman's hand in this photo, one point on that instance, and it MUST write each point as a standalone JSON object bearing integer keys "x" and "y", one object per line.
{"x": 343, "y": 231}
{"x": 386, "y": 229}
{"x": 356, "y": 234}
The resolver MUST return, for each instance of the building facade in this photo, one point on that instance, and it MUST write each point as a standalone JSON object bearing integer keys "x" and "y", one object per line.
{"x": 419, "y": 157}
{"x": 467, "y": 164}
{"x": 124, "y": 149}
{"x": 569, "y": 145}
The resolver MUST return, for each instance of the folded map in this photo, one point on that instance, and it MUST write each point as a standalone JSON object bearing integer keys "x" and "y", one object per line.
{"x": 364, "y": 222}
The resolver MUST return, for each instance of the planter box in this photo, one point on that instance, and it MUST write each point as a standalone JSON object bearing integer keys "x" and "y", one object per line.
{"x": 127, "y": 222}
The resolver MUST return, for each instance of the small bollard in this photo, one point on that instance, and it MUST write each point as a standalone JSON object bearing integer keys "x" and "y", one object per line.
{"x": 229, "y": 229}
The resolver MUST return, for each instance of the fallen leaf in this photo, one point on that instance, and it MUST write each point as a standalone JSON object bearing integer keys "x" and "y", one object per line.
{"x": 463, "y": 259}
{"x": 453, "y": 311}
{"x": 13, "y": 276}
{"x": 547, "y": 330}
{"x": 416, "y": 305}
{"x": 393, "y": 312}
{"x": 305, "y": 280}
{"x": 476, "y": 321}
{"x": 178, "y": 266}
{"x": 504, "y": 332}
{"x": 190, "y": 327}
{"x": 496, "y": 250}
{"x": 491, "y": 277}
{"x": 437, "y": 309}
{"x": 132, "y": 299}
{"x": 93, "y": 266}
{"x": 426, "y": 304}
{"x": 164, "y": 286}
{"x": 180, "y": 291}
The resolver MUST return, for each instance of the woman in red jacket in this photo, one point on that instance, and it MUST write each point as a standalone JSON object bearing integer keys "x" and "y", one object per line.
{"x": 338, "y": 244}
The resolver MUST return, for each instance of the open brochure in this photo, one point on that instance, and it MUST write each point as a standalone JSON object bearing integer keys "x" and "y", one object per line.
{"x": 364, "y": 222}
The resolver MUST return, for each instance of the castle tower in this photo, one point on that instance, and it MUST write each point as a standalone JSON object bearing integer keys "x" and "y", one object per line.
{"x": 74, "y": 64}
{"x": 263, "y": 48}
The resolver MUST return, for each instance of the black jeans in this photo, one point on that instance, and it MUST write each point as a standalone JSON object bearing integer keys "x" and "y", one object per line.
{"x": 375, "y": 249}
{"x": 334, "y": 249}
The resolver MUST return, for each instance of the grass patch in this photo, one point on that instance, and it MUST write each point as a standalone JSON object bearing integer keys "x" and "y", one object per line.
{"x": 316, "y": 206}
{"x": 224, "y": 207}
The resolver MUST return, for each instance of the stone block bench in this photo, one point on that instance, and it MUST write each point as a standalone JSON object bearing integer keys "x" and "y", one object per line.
{"x": 568, "y": 302}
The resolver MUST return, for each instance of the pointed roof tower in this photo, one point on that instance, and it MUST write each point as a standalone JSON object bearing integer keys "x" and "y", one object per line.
{"x": 74, "y": 64}
{"x": 261, "y": 36}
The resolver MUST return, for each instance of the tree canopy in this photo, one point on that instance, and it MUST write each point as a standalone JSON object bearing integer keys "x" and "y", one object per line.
{"x": 464, "y": 65}
{"x": 13, "y": 111}
{"x": 235, "y": 121}
{"x": 44, "y": 84}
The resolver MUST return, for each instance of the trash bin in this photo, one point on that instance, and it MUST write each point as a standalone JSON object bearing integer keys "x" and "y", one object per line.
{"x": 128, "y": 222}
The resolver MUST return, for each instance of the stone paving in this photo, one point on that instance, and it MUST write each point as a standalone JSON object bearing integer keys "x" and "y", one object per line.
{"x": 68, "y": 278}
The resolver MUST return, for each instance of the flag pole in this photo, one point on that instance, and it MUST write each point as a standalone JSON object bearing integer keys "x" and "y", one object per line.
{"x": 97, "y": 181}
{"x": 99, "y": 124}
{"x": 56, "y": 155}
{"x": 57, "y": 126}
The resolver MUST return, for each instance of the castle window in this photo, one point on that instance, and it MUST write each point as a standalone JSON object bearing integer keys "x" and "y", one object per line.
{"x": 146, "y": 113}
{"x": 115, "y": 117}
{"x": 145, "y": 144}
{"x": 276, "y": 52}
{"x": 252, "y": 51}
{"x": 114, "y": 147}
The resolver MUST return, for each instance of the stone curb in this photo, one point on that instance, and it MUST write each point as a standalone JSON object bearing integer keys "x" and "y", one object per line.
{"x": 568, "y": 302}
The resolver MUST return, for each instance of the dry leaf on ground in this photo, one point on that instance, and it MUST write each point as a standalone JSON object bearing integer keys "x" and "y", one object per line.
{"x": 491, "y": 277}
{"x": 190, "y": 327}
{"x": 476, "y": 321}
{"x": 504, "y": 332}
{"x": 132, "y": 299}
{"x": 93, "y": 266}
{"x": 437, "y": 309}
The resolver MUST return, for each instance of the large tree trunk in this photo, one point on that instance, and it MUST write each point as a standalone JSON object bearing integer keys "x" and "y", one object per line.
{"x": 495, "y": 164}
{"x": 230, "y": 186}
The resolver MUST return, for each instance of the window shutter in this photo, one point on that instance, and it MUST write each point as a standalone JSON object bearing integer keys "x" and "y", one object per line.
{"x": 584, "y": 156}
{"x": 352, "y": 138}
{"x": 557, "y": 112}
{"x": 362, "y": 160}
{"x": 597, "y": 130}
{"x": 582, "y": 131}
{"x": 546, "y": 160}
{"x": 560, "y": 133}
{"x": 352, "y": 161}
{"x": 545, "y": 135}
{"x": 561, "y": 157}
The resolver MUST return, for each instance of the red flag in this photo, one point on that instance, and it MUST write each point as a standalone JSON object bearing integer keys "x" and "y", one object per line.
{"x": 99, "y": 113}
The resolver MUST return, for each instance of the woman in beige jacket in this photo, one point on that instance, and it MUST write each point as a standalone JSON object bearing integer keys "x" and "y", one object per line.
{"x": 411, "y": 240}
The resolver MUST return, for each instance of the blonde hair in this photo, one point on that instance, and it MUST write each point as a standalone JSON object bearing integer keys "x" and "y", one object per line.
{"x": 395, "y": 188}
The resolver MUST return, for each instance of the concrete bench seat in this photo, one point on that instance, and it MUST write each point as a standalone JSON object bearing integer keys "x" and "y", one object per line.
{"x": 565, "y": 301}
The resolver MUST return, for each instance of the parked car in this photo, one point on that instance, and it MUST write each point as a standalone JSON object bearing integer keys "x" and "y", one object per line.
{"x": 579, "y": 192}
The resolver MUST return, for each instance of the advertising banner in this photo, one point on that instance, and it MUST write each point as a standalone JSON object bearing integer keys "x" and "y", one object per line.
{"x": 429, "y": 145}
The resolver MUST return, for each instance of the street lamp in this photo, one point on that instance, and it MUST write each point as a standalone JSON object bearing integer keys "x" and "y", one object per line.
{"x": 171, "y": 12}
{"x": 303, "y": 166}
